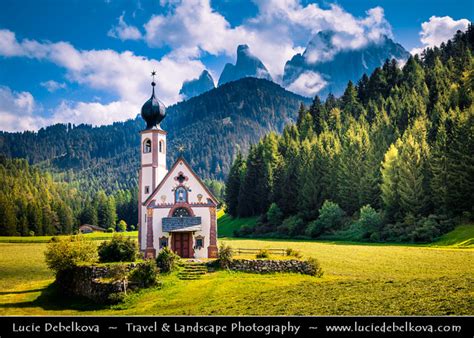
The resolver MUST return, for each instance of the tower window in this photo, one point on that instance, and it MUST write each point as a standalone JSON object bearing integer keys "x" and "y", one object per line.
{"x": 161, "y": 147}
{"x": 147, "y": 189}
{"x": 147, "y": 146}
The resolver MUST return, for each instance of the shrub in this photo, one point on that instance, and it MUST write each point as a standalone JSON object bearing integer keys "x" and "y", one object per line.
{"x": 315, "y": 267}
{"x": 293, "y": 252}
{"x": 225, "y": 256}
{"x": 166, "y": 260}
{"x": 67, "y": 252}
{"x": 274, "y": 215}
{"x": 131, "y": 227}
{"x": 122, "y": 226}
{"x": 245, "y": 230}
{"x": 292, "y": 226}
{"x": 110, "y": 229}
{"x": 331, "y": 217}
{"x": 144, "y": 274}
{"x": 263, "y": 254}
{"x": 31, "y": 233}
{"x": 118, "y": 249}
{"x": 370, "y": 221}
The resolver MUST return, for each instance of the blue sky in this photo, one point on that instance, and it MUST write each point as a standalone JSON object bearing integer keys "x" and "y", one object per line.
{"x": 89, "y": 61}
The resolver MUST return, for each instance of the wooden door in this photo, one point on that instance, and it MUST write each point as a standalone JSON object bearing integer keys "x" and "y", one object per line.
{"x": 181, "y": 244}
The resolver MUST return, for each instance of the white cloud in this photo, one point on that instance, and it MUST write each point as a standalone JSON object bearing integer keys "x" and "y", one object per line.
{"x": 123, "y": 31}
{"x": 124, "y": 75}
{"x": 52, "y": 86}
{"x": 277, "y": 33}
{"x": 307, "y": 84}
{"x": 16, "y": 111}
{"x": 438, "y": 30}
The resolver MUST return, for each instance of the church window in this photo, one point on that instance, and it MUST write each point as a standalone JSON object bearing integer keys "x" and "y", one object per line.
{"x": 147, "y": 189}
{"x": 181, "y": 195}
{"x": 199, "y": 242}
{"x": 163, "y": 242}
{"x": 147, "y": 146}
{"x": 161, "y": 147}
{"x": 181, "y": 212}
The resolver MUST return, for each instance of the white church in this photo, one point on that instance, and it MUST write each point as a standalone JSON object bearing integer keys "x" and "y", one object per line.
{"x": 176, "y": 209}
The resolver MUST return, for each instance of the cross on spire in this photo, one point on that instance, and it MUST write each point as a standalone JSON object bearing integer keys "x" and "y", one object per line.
{"x": 153, "y": 74}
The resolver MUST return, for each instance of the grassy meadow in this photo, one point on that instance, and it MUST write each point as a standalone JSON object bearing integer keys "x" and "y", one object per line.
{"x": 358, "y": 279}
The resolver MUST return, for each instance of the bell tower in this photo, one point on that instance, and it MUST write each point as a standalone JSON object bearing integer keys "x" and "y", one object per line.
{"x": 152, "y": 165}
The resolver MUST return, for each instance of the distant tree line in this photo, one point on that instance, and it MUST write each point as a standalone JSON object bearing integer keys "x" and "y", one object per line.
{"x": 32, "y": 202}
{"x": 392, "y": 159}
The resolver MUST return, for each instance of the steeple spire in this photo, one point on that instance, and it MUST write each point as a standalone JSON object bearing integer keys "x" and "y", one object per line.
{"x": 153, "y": 111}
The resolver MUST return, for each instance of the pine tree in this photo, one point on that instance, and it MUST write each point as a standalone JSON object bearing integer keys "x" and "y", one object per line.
{"x": 390, "y": 181}
{"x": 232, "y": 188}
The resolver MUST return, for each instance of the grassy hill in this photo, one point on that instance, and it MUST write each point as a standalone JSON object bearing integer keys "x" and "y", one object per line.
{"x": 461, "y": 237}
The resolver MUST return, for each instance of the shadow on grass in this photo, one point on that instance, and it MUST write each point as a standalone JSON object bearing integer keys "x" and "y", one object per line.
{"x": 51, "y": 298}
{"x": 20, "y": 292}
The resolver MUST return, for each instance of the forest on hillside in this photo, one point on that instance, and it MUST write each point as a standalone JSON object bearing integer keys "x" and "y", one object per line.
{"x": 390, "y": 160}
{"x": 33, "y": 203}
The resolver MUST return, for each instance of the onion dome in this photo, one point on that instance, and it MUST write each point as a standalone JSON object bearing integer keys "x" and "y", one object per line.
{"x": 153, "y": 110}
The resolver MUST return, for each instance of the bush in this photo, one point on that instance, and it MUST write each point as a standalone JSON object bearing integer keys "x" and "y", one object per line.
{"x": 370, "y": 221}
{"x": 331, "y": 217}
{"x": 292, "y": 226}
{"x": 122, "y": 226}
{"x": 64, "y": 253}
{"x": 293, "y": 252}
{"x": 263, "y": 254}
{"x": 131, "y": 227}
{"x": 225, "y": 256}
{"x": 315, "y": 267}
{"x": 118, "y": 249}
{"x": 144, "y": 274}
{"x": 166, "y": 260}
{"x": 31, "y": 233}
{"x": 110, "y": 230}
{"x": 274, "y": 215}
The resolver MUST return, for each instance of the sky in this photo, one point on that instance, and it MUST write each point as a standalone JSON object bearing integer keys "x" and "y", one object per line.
{"x": 89, "y": 61}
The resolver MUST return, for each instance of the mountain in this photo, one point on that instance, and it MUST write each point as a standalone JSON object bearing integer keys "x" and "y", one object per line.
{"x": 195, "y": 87}
{"x": 247, "y": 65}
{"x": 329, "y": 71}
{"x": 213, "y": 127}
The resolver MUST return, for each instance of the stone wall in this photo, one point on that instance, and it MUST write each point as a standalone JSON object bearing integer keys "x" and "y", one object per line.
{"x": 86, "y": 281}
{"x": 270, "y": 266}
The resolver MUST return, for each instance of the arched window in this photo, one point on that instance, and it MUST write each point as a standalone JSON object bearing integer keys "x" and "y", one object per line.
{"x": 181, "y": 195}
{"x": 181, "y": 212}
{"x": 147, "y": 146}
{"x": 161, "y": 147}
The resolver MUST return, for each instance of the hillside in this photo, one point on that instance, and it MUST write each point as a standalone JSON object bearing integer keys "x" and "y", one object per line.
{"x": 212, "y": 127}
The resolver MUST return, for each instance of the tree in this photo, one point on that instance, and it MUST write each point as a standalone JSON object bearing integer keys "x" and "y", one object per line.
{"x": 232, "y": 187}
{"x": 390, "y": 180}
{"x": 122, "y": 226}
{"x": 274, "y": 215}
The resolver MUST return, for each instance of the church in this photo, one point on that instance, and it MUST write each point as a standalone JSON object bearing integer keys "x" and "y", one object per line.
{"x": 176, "y": 209}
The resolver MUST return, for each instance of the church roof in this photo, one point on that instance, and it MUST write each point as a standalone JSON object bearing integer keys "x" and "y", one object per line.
{"x": 168, "y": 174}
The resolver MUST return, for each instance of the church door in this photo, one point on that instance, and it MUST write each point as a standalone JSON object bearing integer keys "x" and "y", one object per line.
{"x": 182, "y": 244}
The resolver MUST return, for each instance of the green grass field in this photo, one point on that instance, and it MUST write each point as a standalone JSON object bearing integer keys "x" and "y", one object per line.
{"x": 358, "y": 280}
{"x": 45, "y": 239}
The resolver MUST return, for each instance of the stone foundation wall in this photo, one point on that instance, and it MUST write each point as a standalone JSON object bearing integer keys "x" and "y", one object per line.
{"x": 86, "y": 281}
{"x": 270, "y": 266}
